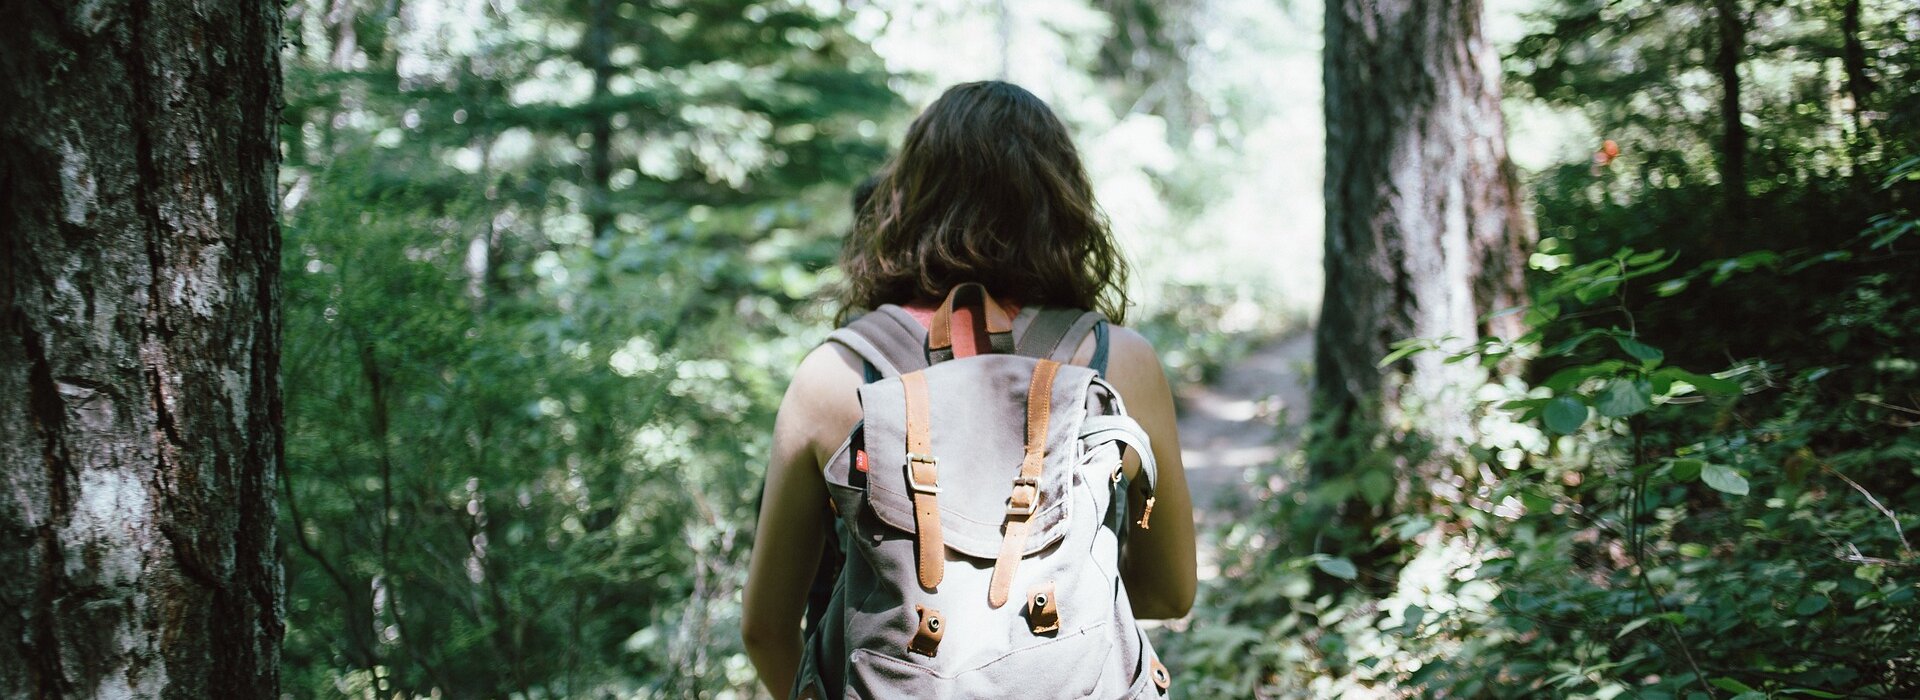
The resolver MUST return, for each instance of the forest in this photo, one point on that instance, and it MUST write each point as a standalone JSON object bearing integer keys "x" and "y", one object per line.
{"x": 431, "y": 348}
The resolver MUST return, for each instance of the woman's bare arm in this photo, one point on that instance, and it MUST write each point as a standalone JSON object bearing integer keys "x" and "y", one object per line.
{"x": 793, "y": 515}
{"x": 1159, "y": 563}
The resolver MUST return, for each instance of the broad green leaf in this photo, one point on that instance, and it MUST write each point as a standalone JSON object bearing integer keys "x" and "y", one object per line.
{"x": 1732, "y": 686}
{"x": 1687, "y": 469}
{"x": 1809, "y": 692}
{"x": 1640, "y": 351}
{"x": 1376, "y": 485}
{"x": 1712, "y": 385}
{"x": 1414, "y": 615}
{"x": 1625, "y": 397}
{"x": 1564, "y": 415}
{"x": 1870, "y": 573}
{"x": 1338, "y": 567}
{"x": 1541, "y": 314}
{"x": 1643, "y": 258}
{"x": 1809, "y": 605}
{"x": 1571, "y": 344}
{"x": 1724, "y": 479}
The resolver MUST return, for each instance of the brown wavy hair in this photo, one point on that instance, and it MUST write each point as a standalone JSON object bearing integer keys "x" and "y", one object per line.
{"x": 986, "y": 188}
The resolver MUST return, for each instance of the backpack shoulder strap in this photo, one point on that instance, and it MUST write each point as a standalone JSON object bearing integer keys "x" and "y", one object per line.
{"x": 1044, "y": 331}
{"x": 888, "y": 338}
{"x": 1120, "y": 427}
{"x": 1056, "y": 334}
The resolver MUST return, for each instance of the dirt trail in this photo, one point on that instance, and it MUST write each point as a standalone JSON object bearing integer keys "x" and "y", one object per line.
{"x": 1232, "y": 425}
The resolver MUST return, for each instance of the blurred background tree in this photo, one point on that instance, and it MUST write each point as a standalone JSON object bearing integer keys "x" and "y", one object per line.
{"x": 1426, "y": 234}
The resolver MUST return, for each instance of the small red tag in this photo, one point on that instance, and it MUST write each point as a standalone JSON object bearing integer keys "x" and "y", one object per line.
{"x": 860, "y": 460}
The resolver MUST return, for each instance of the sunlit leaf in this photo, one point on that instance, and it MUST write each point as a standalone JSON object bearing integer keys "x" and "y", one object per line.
{"x": 1338, "y": 567}
{"x": 1624, "y": 397}
{"x": 1724, "y": 479}
{"x": 1640, "y": 351}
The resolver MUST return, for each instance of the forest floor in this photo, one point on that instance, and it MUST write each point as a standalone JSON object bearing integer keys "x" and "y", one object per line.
{"x": 1245, "y": 419}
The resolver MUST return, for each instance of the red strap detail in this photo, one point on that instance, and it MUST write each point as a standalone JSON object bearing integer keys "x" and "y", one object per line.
{"x": 968, "y": 344}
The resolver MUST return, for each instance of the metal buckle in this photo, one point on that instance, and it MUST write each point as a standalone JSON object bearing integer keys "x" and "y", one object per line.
{"x": 1034, "y": 502}
{"x": 914, "y": 460}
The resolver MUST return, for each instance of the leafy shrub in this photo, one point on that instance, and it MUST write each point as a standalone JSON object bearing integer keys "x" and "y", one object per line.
{"x": 1636, "y": 525}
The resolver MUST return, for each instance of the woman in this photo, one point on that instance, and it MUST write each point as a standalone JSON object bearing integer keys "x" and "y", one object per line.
{"x": 987, "y": 188}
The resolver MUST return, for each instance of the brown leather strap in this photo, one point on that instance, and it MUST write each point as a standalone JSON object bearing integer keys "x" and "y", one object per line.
{"x": 927, "y": 635}
{"x": 1043, "y": 609}
{"x": 1025, "y": 498}
{"x": 940, "y": 331}
{"x": 923, "y": 479}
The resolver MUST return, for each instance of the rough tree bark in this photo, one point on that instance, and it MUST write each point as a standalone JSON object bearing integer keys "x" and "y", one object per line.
{"x": 1425, "y": 233}
{"x": 139, "y": 396}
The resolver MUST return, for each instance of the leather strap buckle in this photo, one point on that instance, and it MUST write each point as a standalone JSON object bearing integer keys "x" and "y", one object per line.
{"x": 1023, "y": 507}
{"x": 920, "y": 480}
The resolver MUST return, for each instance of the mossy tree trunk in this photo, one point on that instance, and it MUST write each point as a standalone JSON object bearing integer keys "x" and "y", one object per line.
{"x": 140, "y": 415}
{"x": 1424, "y": 234}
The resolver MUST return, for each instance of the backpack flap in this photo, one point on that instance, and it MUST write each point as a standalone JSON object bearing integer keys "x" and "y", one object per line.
{"x": 977, "y": 416}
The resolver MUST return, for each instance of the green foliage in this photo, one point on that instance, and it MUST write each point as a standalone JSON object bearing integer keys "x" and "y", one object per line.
{"x": 1704, "y": 482}
{"x": 1643, "y": 528}
{"x": 527, "y": 398}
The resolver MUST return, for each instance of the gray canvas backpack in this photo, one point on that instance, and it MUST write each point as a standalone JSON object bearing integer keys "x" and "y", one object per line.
{"x": 981, "y": 506}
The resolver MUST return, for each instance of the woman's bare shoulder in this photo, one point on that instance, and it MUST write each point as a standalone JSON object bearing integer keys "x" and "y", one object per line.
{"x": 1134, "y": 366}
{"x": 822, "y": 400}
{"x": 1130, "y": 356}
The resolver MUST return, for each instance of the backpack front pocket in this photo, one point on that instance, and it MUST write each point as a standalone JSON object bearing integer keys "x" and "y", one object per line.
{"x": 1070, "y": 666}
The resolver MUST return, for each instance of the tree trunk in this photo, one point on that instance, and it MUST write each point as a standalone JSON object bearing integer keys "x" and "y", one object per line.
{"x": 140, "y": 415}
{"x": 1854, "y": 56}
{"x": 1733, "y": 131}
{"x": 1425, "y": 233}
{"x": 599, "y": 59}
{"x": 1860, "y": 86}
